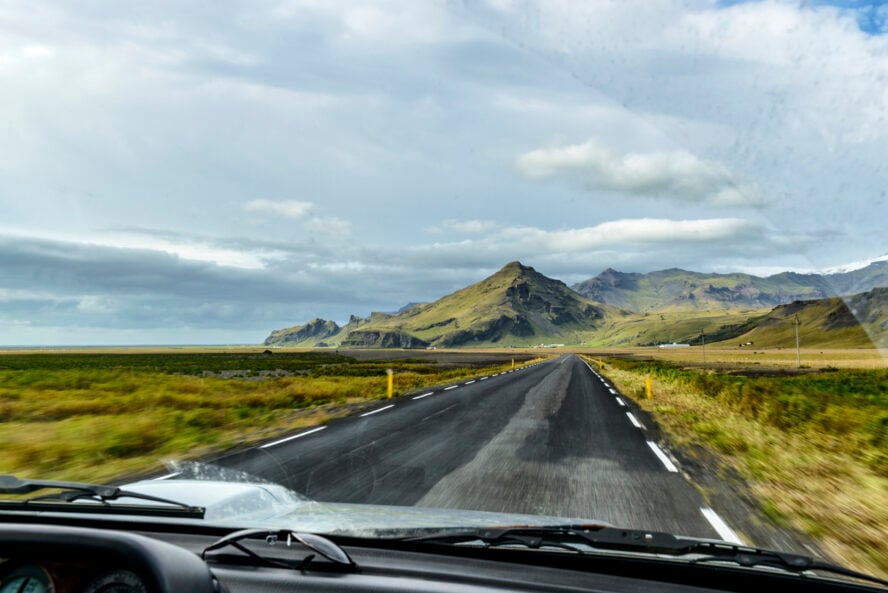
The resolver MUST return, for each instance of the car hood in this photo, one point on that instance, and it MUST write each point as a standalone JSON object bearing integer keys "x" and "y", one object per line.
{"x": 243, "y": 504}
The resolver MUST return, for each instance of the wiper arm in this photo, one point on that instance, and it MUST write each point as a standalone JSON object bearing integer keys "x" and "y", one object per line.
{"x": 633, "y": 540}
{"x": 589, "y": 535}
{"x": 73, "y": 491}
{"x": 784, "y": 561}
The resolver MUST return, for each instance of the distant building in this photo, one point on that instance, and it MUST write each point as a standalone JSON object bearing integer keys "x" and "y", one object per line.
{"x": 673, "y": 345}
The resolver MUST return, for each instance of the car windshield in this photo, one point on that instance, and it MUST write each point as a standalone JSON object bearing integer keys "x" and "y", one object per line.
{"x": 386, "y": 266}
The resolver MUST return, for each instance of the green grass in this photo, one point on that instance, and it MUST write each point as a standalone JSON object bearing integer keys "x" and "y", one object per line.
{"x": 813, "y": 447}
{"x": 97, "y": 417}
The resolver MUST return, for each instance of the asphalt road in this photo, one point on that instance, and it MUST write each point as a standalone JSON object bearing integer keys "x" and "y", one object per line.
{"x": 552, "y": 438}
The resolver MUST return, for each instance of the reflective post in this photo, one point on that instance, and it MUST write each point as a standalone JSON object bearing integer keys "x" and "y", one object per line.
{"x": 648, "y": 390}
{"x": 391, "y": 382}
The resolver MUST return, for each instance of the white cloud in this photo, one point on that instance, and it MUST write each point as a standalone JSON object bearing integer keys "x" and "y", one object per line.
{"x": 195, "y": 249}
{"x": 466, "y": 227}
{"x": 302, "y": 212}
{"x": 678, "y": 173}
{"x": 289, "y": 208}
{"x": 637, "y": 231}
{"x": 334, "y": 227}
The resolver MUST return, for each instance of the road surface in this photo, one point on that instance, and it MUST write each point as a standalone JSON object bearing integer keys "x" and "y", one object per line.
{"x": 552, "y": 438}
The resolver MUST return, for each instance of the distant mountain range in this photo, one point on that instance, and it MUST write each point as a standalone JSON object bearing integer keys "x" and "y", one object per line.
{"x": 518, "y": 306}
{"x": 676, "y": 289}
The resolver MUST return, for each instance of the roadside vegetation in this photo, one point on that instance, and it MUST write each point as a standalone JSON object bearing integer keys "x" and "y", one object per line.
{"x": 813, "y": 447}
{"x": 100, "y": 417}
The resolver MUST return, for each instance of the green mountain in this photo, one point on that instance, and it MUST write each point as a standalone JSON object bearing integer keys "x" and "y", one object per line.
{"x": 518, "y": 306}
{"x": 681, "y": 290}
{"x": 515, "y": 306}
{"x": 857, "y": 321}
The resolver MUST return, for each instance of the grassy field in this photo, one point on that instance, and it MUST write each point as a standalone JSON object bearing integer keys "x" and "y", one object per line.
{"x": 104, "y": 414}
{"x": 813, "y": 446}
{"x": 751, "y": 359}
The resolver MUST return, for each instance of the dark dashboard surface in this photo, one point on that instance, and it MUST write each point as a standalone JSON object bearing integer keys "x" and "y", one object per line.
{"x": 90, "y": 560}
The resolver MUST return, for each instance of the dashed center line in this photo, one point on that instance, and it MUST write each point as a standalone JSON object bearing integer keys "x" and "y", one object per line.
{"x": 295, "y": 436}
{"x": 725, "y": 532}
{"x": 634, "y": 420}
{"x": 424, "y": 395}
{"x": 621, "y": 402}
{"x": 662, "y": 456}
{"x": 377, "y": 411}
{"x": 451, "y": 387}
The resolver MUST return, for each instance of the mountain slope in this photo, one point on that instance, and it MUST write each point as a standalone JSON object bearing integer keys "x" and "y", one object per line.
{"x": 312, "y": 333}
{"x": 858, "y": 321}
{"x": 515, "y": 305}
{"x": 681, "y": 290}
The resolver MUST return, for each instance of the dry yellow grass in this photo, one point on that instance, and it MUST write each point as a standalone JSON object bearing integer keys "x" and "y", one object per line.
{"x": 809, "y": 482}
{"x": 752, "y": 358}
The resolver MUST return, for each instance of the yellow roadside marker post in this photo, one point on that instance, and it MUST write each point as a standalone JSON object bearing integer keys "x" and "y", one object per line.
{"x": 647, "y": 387}
{"x": 391, "y": 382}
{"x": 513, "y": 363}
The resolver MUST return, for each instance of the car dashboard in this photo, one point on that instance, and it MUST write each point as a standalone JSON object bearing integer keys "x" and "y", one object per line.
{"x": 40, "y": 558}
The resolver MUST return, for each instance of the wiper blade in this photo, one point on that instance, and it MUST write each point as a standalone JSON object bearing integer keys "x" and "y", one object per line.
{"x": 587, "y": 539}
{"x": 74, "y": 491}
{"x": 589, "y": 535}
{"x": 792, "y": 562}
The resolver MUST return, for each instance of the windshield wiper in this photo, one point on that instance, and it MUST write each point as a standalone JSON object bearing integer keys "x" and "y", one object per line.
{"x": 587, "y": 539}
{"x": 74, "y": 491}
{"x": 568, "y": 536}
{"x": 799, "y": 563}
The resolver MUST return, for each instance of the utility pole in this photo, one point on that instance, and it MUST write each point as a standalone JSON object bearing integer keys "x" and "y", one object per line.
{"x": 798, "y": 349}
{"x": 703, "y": 339}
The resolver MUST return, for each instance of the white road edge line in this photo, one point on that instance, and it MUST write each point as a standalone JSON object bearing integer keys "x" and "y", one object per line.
{"x": 483, "y": 378}
{"x": 725, "y": 532}
{"x": 662, "y": 456}
{"x": 424, "y": 395}
{"x": 621, "y": 402}
{"x": 451, "y": 387}
{"x": 469, "y": 382}
{"x": 377, "y": 411}
{"x": 613, "y": 392}
{"x": 168, "y": 476}
{"x": 634, "y": 421}
{"x": 295, "y": 436}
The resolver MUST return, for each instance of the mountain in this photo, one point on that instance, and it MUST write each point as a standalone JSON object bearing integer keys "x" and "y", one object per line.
{"x": 515, "y": 306}
{"x": 312, "y": 333}
{"x": 857, "y": 321}
{"x": 874, "y": 275}
{"x": 681, "y": 290}
{"x": 518, "y": 306}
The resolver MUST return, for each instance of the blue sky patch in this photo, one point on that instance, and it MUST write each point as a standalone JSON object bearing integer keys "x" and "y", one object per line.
{"x": 872, "y": 15}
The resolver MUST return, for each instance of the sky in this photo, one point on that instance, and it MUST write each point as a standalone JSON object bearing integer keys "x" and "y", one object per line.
{"x": 202, "y": 173}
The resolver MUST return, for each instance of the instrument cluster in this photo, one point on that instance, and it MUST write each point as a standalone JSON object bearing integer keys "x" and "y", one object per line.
{"x": 62, "y": 577}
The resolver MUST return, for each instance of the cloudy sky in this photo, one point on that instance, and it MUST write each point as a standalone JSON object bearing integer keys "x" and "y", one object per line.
{"x": 175, "y": 172}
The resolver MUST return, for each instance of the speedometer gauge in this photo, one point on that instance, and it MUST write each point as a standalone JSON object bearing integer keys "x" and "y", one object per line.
{"x": 27, "y": 579}
{"x": 119, "y": 581}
